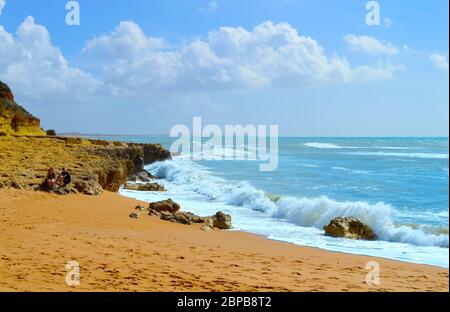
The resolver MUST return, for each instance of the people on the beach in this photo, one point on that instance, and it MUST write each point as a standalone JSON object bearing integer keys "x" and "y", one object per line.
{"x": 64, "y": 178}
{"x": 52, "y": 181}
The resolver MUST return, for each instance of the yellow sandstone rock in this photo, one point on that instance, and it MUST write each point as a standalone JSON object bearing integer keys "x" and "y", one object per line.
{"x": 14, "y": 119}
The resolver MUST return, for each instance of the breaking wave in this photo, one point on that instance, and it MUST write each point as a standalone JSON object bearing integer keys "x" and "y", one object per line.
{"x": 306, "y": 212}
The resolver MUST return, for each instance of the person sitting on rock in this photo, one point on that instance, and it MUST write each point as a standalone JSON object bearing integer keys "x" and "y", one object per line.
{"x": 64, "y": 178}
{"x": 50, "y": 181}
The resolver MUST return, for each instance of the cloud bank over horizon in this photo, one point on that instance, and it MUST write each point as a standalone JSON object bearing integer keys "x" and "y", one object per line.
{"x": 217, "y": 74}
{"x": 268, "y": 56}
{"x": 134, "y": 64}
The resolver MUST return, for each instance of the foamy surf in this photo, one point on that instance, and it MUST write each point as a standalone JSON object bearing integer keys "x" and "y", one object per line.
{"x": 335, "y": 146}
{"x": 407, "y": 155}
{"x": 307, "y": 212}
{"x": 276, "y": 216}
{"x": 326, "y": 145}
{"x": 403, "y": 197}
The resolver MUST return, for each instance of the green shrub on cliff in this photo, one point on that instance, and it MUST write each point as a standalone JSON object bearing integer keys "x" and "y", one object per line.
{"x": 50, "y": 132}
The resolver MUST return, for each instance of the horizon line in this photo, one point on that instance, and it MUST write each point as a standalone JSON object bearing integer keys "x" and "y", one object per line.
{"x": 281, "y": 136}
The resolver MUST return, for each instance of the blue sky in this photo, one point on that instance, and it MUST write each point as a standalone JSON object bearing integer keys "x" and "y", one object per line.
{"x": 315, "y": 68}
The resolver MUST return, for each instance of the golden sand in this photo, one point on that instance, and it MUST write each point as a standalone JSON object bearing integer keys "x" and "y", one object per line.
{"x": 40, "y": 233}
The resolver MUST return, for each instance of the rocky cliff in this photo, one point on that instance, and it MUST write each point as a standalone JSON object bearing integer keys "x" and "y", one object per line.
{"x": 95, "y": 165}
{"x": 154, "y": 152}
{"x": 26, "y": 153}
{"x": 14, "y": 119}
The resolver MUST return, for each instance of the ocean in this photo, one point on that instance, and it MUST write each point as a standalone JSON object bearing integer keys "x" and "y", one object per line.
{"x": 399, "y": 186}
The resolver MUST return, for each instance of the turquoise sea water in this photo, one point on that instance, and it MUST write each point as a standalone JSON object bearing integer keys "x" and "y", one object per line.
{"x": 399, "y": 186}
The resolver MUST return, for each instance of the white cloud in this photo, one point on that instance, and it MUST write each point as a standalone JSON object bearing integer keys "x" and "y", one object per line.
{"x": 36, "y": 69}
{"x": 379, "y": 72}
{"x": 127, "y": 39}
{"x": 135, "y": 65}
{"x": 439, "y": 61}
{"x": 387, "y": 22}
{"x": 2, "y": 5}
{"x": 270, "y": 55}
{"x": 213, "y": 6}
{"x": 370, "y": 45}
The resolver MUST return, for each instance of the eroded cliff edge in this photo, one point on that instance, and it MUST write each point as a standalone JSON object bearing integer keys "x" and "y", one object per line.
{"x": 14, "y": 119}
{"x": 95, "y": 165}
{"x": 26, "y": 153}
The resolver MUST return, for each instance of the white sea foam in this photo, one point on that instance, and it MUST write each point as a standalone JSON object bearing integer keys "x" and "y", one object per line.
{"x": 350, "y": 170}
{"x": 317, "y": 212}
{"x": 242, "y": 152}
{"x": 406, "y": 155}
{"x": 187, "y": 176}
{"x": 326, "y": 145}
{"x": 335, "y": 146}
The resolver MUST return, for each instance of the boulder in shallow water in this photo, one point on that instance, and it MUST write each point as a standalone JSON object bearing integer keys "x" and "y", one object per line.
{"x": 154, "y": 153}
{"x": 349, "y": 227}
{"x": 145, "y": 187}
{"x": 166, "y": 205}
{"x": 142, "y": 176}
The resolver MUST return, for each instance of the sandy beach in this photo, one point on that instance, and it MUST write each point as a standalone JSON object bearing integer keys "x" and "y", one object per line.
{"x": 41, "y": 232}
{"x": 224, "y": 146}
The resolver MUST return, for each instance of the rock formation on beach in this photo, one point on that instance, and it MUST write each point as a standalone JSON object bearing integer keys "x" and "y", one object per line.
{"x": 95, "y": 165}
{"x": 168, "y": 210}
{"x": 222, "y": 221}
{"x": 153, "y": 152}
{"x": 14, "y": 119}
{"x": 141, "y": 176}
{"x": 349, "y": 227}
{"x": 167, "y": 205}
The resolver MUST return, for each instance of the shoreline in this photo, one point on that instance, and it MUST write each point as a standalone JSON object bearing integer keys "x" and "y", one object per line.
{"x": 341, "y": 252}
{"x": 265, "y": 237}
{"x": 41, "y": 232}
{"x": 395, "y": 257}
